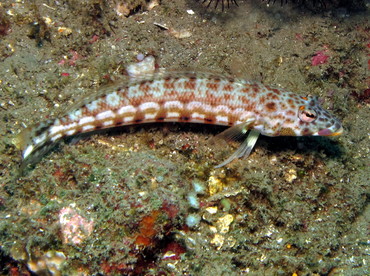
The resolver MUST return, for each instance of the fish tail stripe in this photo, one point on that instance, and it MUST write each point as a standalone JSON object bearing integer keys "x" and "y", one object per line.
{"x": 34, "y": 138}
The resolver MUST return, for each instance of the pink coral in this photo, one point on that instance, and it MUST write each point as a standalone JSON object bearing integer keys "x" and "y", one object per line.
{"x": 319, "y": 58}
{"x": 75, "y": 228}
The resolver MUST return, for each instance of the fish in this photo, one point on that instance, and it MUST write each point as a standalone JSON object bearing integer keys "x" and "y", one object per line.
{"x": 192, "y": 97}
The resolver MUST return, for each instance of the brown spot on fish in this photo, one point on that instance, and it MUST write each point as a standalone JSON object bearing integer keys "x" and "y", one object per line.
{"x": 287, "y": 132}
{"x": 271, "y": 106}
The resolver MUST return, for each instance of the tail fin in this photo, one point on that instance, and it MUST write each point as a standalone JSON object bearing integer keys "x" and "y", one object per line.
{"x": 34, "y": 142}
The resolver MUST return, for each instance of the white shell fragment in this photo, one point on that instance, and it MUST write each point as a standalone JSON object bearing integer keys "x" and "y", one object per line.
{"x": 143, "y": 68}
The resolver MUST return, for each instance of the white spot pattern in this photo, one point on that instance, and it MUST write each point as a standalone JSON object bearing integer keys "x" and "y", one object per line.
{"x": 105, "y": 115}
{"x": 85, "y": 120}
{"x": 75, "y": 114}
{"x": 88, "y": 127}
{"x": 92, "y": 106}
{"x": 149, "y": 105}
{"x": 126, "y": 109}
{"x": 113, "y": 99}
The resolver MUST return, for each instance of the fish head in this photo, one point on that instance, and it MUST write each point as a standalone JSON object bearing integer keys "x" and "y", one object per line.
{"x": 304, "y": 116}
{"x": 317, "y": 121}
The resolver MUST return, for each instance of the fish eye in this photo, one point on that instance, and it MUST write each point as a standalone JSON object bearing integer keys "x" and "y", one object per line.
{"x": 307, "y": 116}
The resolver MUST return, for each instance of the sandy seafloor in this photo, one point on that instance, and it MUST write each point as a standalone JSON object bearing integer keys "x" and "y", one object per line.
{"x": 116, "y": 203}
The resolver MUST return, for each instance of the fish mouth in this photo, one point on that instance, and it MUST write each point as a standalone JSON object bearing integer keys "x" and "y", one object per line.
{"x": 328, "y": 132}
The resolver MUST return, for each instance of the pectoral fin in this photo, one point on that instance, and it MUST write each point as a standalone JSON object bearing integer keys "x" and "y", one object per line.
{"x": 235, "y": 133}
{"x": 244, "y": 149}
